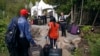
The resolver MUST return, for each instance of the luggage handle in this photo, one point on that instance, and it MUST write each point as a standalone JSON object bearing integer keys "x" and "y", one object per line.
{"x": 46, "y": 40}
{"x": 54, "y": 46}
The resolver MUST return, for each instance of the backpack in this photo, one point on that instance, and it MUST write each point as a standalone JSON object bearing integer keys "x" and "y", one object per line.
{"x": 12, "y": 34}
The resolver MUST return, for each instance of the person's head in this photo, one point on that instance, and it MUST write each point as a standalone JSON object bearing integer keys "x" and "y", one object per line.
{"x": 24, "y": 12}
{"x": 62, "y": 13}
{"x": 52, "y": 19}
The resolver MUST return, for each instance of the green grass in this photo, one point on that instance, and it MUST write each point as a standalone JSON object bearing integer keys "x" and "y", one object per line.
{"x": 4, "y": 54}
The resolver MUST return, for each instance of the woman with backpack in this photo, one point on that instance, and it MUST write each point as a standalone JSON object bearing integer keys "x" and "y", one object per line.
{"x": 53, "y": 31}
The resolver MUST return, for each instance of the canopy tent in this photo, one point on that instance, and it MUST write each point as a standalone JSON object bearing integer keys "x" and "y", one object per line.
{"x": 39, "y": 7}
{"x": 43, "y": 5}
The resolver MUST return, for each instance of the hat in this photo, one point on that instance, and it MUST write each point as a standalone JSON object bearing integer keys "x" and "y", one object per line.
{"x": 24, "y": 12}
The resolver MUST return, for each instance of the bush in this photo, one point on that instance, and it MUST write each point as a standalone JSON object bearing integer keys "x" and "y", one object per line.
{"x": 94, "y": 43}
{"x": 93, "y": 40}
{"x": 78, "y": 52}
{"x": 86, "y": 29}
{"x": 3, "y": 26}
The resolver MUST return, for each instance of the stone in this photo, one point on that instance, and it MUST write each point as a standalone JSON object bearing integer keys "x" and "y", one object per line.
{"x": 76, "y": 41}
{"x": 39, "y": 30}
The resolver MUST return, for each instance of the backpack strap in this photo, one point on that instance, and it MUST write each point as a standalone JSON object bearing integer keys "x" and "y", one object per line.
{"x": 16, "y": 21}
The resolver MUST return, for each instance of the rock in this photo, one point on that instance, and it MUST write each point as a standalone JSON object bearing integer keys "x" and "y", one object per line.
{"x": 63, "y": 46}
{"x": 65, "y": 52}
{"x": 39, "y": 31}
{"x": 63, "y": 43}
{"x": 76, "y": 41}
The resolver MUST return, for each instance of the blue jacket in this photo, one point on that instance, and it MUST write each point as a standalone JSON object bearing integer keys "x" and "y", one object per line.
{"x": 23, "y": 27}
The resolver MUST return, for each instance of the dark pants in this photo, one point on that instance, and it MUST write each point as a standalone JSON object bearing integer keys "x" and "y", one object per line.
{"x": 36, "y": 21}
{"x": 63, "y": 28}
{"x": 12, "y": 51}
{"x": 23, "y": 47}
{"x": 52, "y": 42}
{"x": 44, "y": 19}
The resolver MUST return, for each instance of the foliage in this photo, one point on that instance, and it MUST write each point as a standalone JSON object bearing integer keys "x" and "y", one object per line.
{"x": 78, "y": 52}
{"x": 2, "y": 4}
{"x": 13, "y": 10}
{"x": 93, "y": 41}
{"x": 92, "y": 4}
{"x": 3, "y": 25}
{"x": 94, "y": 45}
{"x": 86, "y": 29}
{"x": 95, "y": 48}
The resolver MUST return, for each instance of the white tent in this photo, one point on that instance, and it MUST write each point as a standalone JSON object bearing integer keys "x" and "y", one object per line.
{"x": 39, "y": 7}
{"x": 43, "y": 5}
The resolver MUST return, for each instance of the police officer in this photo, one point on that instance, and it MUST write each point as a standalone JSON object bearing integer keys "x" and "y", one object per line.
{"x": 62, "y": 20}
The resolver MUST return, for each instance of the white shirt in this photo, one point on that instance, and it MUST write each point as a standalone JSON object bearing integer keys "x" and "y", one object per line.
{"x": 65, "y": 16}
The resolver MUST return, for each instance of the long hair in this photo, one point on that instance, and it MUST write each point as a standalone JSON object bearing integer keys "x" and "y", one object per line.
{"x": 52, "y": 19}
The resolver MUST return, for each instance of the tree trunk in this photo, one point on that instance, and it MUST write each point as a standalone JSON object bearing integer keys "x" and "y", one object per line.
{"x": 81, "y": 13}
{"x": 95, "y": 18}
{"x": 74, "y": 19}
{"x": 72, "y": 15}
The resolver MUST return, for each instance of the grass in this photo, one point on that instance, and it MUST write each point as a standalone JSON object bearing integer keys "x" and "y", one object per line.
{"x": 4, "y": 54}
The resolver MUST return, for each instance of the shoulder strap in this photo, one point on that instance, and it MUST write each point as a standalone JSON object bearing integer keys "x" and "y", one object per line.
{"x": 16, "y": 21}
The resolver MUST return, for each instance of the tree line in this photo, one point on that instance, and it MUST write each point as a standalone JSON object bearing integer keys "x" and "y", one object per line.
{"x": 83, "y": 11}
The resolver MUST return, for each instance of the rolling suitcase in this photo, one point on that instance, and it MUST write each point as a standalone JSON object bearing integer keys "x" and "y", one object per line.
{"x": 74, "y": 29}
{"x": 36, "y": 50}
{"x": 55, "y": 51}
{"x": 46, "y": 48}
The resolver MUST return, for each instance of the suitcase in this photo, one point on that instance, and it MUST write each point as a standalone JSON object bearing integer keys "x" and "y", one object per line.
{"x": 46, "y": 47}
{"x": 36, "y": 50}
{"x": 55, "y": 51}
{"x": 46, "y": 50}
{"x": 74, "y": 29}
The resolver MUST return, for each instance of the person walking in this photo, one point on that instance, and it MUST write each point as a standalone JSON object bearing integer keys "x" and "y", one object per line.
{"x": 11, "y": 36}
{"x": 25, "y": 35}
{"x": 44, "y": 18}
{"x": 53, "y": 31}
{"x": 62, "y": 21}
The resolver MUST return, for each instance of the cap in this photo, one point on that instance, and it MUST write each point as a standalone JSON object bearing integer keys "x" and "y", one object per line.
{"x": 24, "y": 12}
